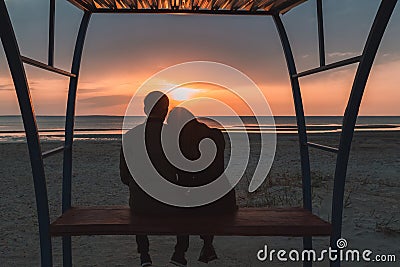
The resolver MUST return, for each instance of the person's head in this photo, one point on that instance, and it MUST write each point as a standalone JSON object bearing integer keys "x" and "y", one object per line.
{"x": 156, "y": 105}
{"x": 179, "y": 116}
{"x": 182, "y": 124}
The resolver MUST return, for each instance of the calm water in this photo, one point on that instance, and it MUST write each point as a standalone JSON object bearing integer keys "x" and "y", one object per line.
{"x": 110, "y": 127}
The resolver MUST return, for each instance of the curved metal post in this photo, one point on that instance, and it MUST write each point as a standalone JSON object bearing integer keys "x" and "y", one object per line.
{"x": 301, "y": 124}
{"x": 69, "y": 131}
{"x": 29, "y": 119}
{"x": 349, "y": 120}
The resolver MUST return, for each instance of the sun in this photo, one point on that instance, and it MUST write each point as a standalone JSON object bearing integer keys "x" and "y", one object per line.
{"x": 184, "y": 93}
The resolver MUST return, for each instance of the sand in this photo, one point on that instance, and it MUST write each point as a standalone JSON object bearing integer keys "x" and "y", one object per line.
{"x": 371, "y": 215}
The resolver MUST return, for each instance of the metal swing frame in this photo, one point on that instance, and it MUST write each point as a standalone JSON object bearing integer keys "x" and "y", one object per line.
{"x": 16, "y": 65}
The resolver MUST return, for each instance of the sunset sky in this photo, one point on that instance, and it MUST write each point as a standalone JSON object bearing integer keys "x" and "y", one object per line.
{"x": 123, "y": 51}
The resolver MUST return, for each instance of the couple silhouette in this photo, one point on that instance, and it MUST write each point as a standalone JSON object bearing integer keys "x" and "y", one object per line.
{"x": 182, "y": 132}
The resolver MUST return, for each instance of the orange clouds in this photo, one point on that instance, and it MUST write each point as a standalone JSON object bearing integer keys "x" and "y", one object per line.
{"x": 324, "y": 94}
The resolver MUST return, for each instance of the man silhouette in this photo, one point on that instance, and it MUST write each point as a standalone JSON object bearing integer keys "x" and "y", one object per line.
{"x": 156, "y": 108}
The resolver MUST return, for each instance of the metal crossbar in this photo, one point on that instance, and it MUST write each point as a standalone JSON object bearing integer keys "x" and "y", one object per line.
{"x": 44, "y": 66}
{"x": 52, "y": 152}
{"x": 331, "y": 66}
{"x": 323, "y": 147}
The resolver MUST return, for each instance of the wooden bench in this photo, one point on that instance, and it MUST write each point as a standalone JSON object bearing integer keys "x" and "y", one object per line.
{"x": 118, "y": 220}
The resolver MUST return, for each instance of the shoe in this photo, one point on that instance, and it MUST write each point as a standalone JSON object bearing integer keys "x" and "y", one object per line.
{"x": 207, "y": 254}
{"x": 145, "y": 260}
{"x": 178, "y": 259}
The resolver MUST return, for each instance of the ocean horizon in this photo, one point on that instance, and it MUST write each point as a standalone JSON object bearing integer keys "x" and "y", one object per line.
{"x": 89, "y": 127}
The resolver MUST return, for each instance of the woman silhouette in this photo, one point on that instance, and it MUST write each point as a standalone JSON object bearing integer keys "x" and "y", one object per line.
{"x": 184, "y": 129}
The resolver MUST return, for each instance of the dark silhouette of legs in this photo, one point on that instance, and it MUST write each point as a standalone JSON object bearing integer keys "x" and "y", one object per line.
{"x": 182, "y": 245}
{"x": 142, "y": 242}
{"x": 207, "y": 252}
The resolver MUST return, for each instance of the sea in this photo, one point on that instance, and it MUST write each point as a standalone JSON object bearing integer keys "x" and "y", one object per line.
{"x": 51, "y": 128}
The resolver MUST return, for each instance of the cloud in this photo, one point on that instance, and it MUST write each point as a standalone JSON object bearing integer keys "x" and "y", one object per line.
{"x": 6, "y": 87}
{"x": 102, "y": 87}
{"x": 9, "y": 86}
{"x": 105, "y": 101}
{"x": 91, "y": 90}
{"x": 6, "y": 84}
{"x": 342, "y": 54}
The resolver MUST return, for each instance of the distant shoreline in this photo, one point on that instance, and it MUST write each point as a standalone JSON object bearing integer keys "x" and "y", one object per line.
{"x": 100, "y": 137}
{"x": 98, "y": 127}
{"x": 248, "y": 128}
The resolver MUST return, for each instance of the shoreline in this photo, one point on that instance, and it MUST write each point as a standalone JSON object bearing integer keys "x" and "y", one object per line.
{"x": 19, "y": 136}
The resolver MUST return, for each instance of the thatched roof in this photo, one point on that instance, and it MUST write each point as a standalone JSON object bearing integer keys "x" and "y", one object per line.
{"x": 234, "y": 7}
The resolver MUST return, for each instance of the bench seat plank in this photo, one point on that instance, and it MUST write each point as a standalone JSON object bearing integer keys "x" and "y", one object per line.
{"x": 118, "y": 220}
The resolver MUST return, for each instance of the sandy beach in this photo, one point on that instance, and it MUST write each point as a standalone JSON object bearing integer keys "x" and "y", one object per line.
{"x": 371, "y": 214}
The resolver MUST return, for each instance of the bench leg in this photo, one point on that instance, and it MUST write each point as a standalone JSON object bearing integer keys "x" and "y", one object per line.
{"x": 67, "y": 251}
{"x": 307, "y": 244}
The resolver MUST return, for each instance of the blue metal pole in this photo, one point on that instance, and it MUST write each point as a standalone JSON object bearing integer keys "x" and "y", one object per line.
{"x": 52, "y": 15}
{"x": 321, "y": 37}
{"x": 301, "y": 124}
{"x": 29, "y": 119}
{"x": 364, "y": 68}
{"x": 69, "y": 131}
